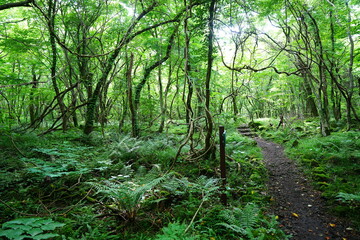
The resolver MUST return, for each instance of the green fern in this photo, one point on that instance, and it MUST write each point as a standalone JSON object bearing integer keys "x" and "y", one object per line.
{"x": 352, "y": 199}
{"x": 126, "y": 198}
{"x": 125, "y": 148}
{"x": 174, "y": 231}
{"x": 241, "y": 220}
{"x": 176, "y": 186}
{"x": 203, "y": 185}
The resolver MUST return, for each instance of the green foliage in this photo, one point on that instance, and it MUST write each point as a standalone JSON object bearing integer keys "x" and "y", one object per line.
{"x": 59, "y": 168}
{"x": 83, "y": 223}
{"x": 351, "y": 199}
{"x": 333, "y": 163}
{"x": 248, "y": 222}
{"x": 175, "y": 231}
{"x": 126, "y": 172}
{"x": 30, "y": 228}
{"x": 145, "y": 151}
{"x": 240, "y": 220}
{"x": 247, "y": 172}
{"x": 127, "y": 197}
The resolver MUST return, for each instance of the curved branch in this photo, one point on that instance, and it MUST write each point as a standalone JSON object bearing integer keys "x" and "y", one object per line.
{"x": 247, "y": 67}
{"x": 26, "y": 3}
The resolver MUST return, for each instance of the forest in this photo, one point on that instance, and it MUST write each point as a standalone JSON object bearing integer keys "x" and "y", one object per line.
{"x": 110, "y": 113}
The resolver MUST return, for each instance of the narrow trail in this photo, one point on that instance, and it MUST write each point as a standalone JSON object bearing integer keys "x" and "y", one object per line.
{"x": 300, "y": 208}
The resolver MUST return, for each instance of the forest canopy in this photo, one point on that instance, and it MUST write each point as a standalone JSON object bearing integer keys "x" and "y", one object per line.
{"x": 141, "y": 63}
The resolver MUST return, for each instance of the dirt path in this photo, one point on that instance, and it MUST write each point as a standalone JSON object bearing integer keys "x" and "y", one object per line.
{"x": 300, "y": 208}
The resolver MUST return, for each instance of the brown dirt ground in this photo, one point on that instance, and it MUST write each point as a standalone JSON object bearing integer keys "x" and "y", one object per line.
{"x": 301, "y": 210}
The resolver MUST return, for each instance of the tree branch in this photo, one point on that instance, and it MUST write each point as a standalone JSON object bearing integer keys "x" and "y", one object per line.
{"x": 26, "y": 3}
{"x": 247, "y": 67}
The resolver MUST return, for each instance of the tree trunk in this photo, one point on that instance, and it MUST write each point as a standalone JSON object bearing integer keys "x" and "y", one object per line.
{"x": 91, "y": 107}
{"x": 233, "y": 92}
{"x": 335, "y": 96}
{"x": 33, "y": 109}
{"x": 209, "y": 121}
{"x": 162, "y": 104}
{"x": 187, "y": 68}
{"x": 51, "y": 26}
{"x": 350, "y": 69}
{"x": 322, "y": 90}
{"x": 134, "y": 127}
{"x": 311, "y": 109}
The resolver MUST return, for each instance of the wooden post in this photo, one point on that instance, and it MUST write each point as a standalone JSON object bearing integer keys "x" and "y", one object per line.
{"x": 222, "y": 137}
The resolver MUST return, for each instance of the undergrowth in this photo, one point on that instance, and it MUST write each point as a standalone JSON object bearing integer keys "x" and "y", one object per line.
{"x": 113, "y": 186}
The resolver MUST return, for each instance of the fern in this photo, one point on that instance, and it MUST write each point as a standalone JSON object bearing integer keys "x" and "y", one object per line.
{"x": 126, "y": 198}
{"x": 352, "y": 199}
{"x": 249, "y": 215}
{"x": 125, "y": 148}
{"x": 174, "y": 231}
{"x": 241, "y": 220}
{"x": 176, "y": 186}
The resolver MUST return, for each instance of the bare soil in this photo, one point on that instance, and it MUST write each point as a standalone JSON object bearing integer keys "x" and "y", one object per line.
{"x": 301, "y": 210}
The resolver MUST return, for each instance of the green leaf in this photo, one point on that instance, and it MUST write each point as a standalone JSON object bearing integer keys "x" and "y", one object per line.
{"x": 51, "y": 226}
{"x": 23, "y": 221}
{"x": 17, "y": 226}
{"x": 12, "y": 233}
{"x": 46, "y": 236}
{"x": 35, "y": 231}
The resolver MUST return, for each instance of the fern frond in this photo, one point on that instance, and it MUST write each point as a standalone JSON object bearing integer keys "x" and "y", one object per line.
{"x": 241, "y": 220}
{"x": 139, "y": 192}
{"x": 176, "y": 185}
{"x": 127, "y": 195}
{"x": 233, "y": 227}
{"x": 229, "y": 216}
{"x": 249, "y": 216}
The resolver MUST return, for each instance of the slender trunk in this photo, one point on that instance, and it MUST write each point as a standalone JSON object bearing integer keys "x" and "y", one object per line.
{"x": 51, "y": 26}
{"x": 209, "y": 120}
{"x": 234, "y": 94}
{"x": 125, "y": 107}
{"x": 177, "y": 89}
{"x": 91, "y": 107}
{"x": 350, "y": 68}
{"x": 164, "y": 112}
{"x": 162, "y": 104}
{"x": 336, "y": 100}
{"x": 33, "y": 109}
{"x": 322, "y": 90}
{"x": 311, "y": 109}
{"x": 134, "y": 127}
{"x": 187, "y": 68}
